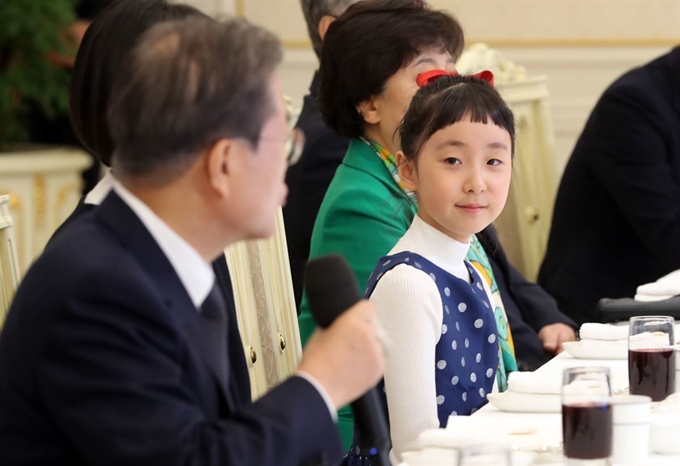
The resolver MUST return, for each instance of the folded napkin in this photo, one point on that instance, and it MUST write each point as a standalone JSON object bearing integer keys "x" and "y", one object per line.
{"x": 535, "y": 383}
{"x": 593, "y": 331}
{"x": 664, "y": 288}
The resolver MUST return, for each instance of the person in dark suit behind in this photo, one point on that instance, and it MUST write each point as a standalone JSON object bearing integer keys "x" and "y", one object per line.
{"x": 616, "y": 223}
{"x": 538, "y": 326}
{"x": 308, "y": 180}
{"x": 115, "y": 348}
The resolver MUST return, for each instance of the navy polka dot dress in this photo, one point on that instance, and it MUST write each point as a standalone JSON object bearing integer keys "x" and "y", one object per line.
{"x": 466, "y": 356}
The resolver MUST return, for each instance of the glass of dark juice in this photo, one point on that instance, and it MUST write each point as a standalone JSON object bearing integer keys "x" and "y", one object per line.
{"x": 587, "y": 416}
{"x": 651, "y": 356}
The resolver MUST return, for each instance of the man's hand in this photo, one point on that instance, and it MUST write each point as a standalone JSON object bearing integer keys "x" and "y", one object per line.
{"x": 346, "y": 358}
{"x": 554, "y": 335}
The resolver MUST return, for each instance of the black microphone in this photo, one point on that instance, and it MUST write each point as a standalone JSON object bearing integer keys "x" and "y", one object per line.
{"x": 331, "y": 289}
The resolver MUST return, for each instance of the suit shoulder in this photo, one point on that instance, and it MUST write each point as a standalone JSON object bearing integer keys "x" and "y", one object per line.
{"x": 83, "y": 254}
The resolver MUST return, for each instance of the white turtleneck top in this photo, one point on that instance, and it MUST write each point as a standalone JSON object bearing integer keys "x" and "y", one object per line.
{"x": 410, "y": 318}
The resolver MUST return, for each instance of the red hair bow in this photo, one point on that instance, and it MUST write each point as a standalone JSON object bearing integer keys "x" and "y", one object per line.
{"x": 428, "y": 77}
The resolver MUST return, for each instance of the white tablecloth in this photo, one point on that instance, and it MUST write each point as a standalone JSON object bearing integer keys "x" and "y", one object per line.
{"x": 548, "y": 424}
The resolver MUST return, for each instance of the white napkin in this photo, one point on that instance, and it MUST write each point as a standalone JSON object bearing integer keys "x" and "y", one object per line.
{"x": 593, "y": 331}
{"x": 532, "y": 382}
{"x": 664, "y": 288}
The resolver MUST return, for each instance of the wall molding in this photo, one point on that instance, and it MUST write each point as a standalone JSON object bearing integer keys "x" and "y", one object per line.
{"x": 543, "y": 43}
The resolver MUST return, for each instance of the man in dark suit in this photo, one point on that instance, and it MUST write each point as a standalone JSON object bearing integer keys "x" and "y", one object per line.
{"x": 537, "y": 325}
{"x": 101, "y": 54}
{"x": 103, "y": 49}
{"x": 115, "y": 350}
{"x": 616, "y": 223}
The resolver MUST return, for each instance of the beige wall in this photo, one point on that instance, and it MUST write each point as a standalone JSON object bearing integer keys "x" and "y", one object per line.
{"x": 212, "y": 7}
{"x": 566, "y": 19}
{"x": 513, "y": 19}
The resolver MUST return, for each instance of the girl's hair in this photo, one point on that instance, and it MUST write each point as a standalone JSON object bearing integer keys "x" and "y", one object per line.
{"x": 449, "y": 100}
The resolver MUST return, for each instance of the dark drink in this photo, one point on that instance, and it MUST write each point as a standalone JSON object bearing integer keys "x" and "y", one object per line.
{"x": 651, "y": 372}
{"x": 587, "y": 430}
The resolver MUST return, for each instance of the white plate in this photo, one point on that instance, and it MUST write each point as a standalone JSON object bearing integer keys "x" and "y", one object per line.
{"x": 514, "y": 402}
{"x": 596, "y": 350}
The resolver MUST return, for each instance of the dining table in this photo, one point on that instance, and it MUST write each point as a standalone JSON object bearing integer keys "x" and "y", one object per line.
{"x": 532, "y": 437}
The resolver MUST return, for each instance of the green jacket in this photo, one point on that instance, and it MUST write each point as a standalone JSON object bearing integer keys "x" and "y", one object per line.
{"x": 362, "y": 217}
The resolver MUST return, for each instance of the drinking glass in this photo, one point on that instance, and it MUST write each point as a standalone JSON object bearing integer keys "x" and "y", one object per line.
{"x": 651, "y": 356}
{"x": 587, "y": 416}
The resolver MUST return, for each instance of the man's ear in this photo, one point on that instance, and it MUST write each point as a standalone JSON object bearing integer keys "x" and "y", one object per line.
{"x": 407, "y": 171}
{"x": 324, "y": 23}
{"x": 221, "y": 160}
{"x": 369, "y": 111}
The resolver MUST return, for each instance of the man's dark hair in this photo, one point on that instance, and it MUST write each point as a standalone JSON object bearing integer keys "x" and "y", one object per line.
{"x": 368, "y": 44}
{"x": 447, "y": 101}
{"x": 314, "y": 10}
{"x": 186, "y": 85}
{"x": 101, "y": 54}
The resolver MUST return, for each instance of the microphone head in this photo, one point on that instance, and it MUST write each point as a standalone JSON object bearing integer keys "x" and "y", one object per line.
{"x": 331, "y": 288}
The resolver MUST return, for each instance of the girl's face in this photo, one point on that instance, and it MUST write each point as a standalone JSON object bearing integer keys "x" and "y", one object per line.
{"x": 461, "y": 177}
{"x": 383, "y": 113}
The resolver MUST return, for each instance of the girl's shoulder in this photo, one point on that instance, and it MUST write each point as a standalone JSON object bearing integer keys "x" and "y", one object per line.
{"x": 445, "y": 282}
{"x": 416, "y": 264}
{"x": 412, "y": 259}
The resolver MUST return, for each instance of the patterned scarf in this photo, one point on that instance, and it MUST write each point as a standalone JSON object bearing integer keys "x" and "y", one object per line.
{"x": 479, "y": 259}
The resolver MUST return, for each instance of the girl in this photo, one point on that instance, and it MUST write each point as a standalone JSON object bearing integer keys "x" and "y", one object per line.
{"x": 435, "y": 312}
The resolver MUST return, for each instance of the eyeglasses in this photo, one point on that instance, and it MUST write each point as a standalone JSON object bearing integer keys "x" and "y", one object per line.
{"x": 294, "y": 144}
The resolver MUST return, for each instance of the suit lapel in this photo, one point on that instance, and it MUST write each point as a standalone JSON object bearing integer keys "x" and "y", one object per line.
{"x": 134, "y": 236}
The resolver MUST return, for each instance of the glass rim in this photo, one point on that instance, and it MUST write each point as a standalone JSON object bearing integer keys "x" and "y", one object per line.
{"x": 652, "y": 318}
{"x": 583, "y": 369}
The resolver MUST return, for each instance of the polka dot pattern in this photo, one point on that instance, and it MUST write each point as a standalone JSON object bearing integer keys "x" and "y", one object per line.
{"x": 465, "y": 359}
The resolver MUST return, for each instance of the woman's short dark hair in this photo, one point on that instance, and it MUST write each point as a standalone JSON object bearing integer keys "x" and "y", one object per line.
{"x": 369, "y": 43}
{"x": 102, "y": 53}
{"x": 449, "y": 100}
{"x": 186, "y": 85}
